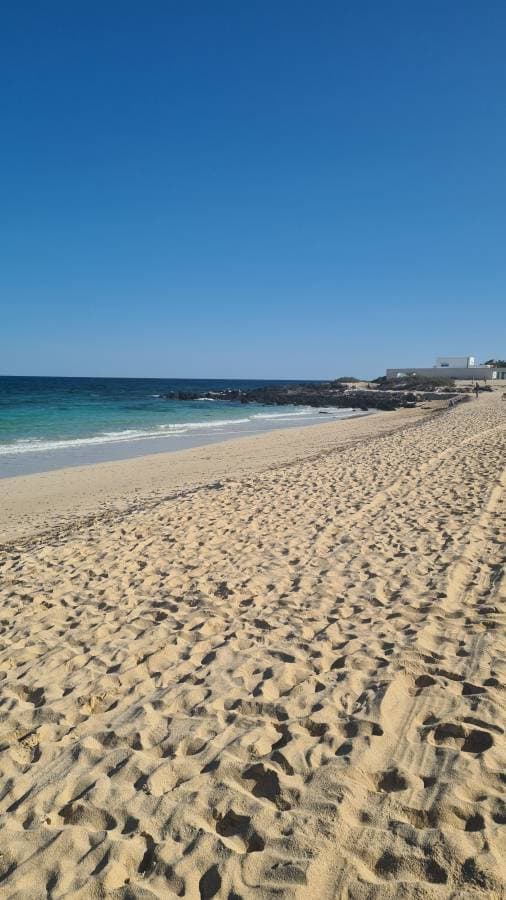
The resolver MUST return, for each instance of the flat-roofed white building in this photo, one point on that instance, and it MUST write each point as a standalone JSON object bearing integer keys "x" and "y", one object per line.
{"x": 461, "y": 368}
{"x": 456, "y": 362}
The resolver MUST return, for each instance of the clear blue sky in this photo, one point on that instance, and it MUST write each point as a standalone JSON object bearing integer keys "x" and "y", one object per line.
{"x": 274, "y": 188}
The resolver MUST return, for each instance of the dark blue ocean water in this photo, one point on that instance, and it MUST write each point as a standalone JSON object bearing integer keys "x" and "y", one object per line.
{"x": 51, "y": 422}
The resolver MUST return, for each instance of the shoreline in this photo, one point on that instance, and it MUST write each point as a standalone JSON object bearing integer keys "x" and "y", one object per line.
{"x": 95, "y": 449}
{"x": 39, "y": 502}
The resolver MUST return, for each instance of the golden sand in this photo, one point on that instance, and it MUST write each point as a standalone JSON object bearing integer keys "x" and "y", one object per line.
{"x": 272, "y": 668}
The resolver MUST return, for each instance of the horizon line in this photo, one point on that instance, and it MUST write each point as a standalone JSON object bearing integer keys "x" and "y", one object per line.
{"x": 187, "y": 378}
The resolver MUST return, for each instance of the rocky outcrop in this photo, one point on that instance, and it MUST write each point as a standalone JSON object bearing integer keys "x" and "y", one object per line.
{"x": 325, "y": 394}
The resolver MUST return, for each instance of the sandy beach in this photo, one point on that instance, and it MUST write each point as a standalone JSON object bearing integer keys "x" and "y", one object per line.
{"x": 267, "y": 668}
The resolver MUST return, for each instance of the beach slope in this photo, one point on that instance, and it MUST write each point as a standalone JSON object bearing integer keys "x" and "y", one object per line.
{"x": 287, "y": 681}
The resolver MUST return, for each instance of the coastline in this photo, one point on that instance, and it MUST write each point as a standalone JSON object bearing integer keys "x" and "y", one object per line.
{"x": 31, "y": 459}
{"x": 55, "y": 423}
{"x": 36, "y": 503}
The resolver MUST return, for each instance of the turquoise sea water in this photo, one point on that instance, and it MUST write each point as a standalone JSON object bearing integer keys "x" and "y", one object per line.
{"x": 48, "y": 423}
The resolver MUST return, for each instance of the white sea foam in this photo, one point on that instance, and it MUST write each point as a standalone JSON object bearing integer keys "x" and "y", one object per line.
{"x": 36, "y": 444}
{"x": 174, "y": 429}
{"x": 217, "y": 423}
{"x": 306, "y": 411}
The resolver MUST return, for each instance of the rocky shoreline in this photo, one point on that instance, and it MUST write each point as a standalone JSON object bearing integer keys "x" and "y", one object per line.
{"x": 324, "y": 394}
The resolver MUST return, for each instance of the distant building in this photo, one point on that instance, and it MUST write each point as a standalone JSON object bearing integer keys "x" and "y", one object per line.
{"x": 456, "y": 367}
{"x": 455, "y": 362}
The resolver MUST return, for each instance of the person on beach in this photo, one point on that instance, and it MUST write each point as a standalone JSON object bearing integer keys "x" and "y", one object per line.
{"x": 477, "y": 390}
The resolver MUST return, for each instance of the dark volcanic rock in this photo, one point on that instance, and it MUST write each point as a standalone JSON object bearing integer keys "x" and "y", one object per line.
{"x": 322, "y": 394}
{"x": 317, "y": 394}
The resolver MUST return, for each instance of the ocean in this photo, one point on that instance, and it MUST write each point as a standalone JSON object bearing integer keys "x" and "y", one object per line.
{"x": 50, "y": 423}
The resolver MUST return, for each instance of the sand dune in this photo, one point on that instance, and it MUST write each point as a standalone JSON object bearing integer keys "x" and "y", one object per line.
{"x": 289, "y": 683}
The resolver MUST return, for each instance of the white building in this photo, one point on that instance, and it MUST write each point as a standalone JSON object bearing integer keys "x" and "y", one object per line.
{"x": 455, "y": 362}
{"x": 456, "y": 367}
